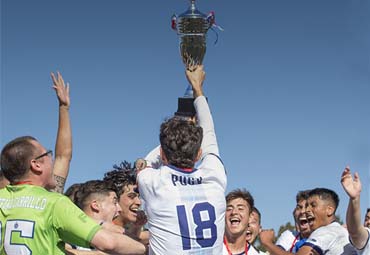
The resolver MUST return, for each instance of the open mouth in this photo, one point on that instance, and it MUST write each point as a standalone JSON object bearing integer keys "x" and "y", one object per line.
{"x": 303, "y": 222}
{"x": 310, "y": 220}
{"x": 235, "y": 221}
{"x": 134, "y": 210}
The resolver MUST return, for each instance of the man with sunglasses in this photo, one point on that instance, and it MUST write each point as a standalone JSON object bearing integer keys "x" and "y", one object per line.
{"x": 36, "y": 221}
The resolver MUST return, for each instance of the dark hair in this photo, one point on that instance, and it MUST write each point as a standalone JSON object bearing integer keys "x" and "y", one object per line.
{"x": 243, "y": 194}
{"x": 71, "y": 191}
{"x": 255, "y": 210}
{"x": 327, "y": 195}
{"x": 302, "y": 195}
{"x": 180, "y": 141}
{"x": 368, "y": 210}
{"x": 16, "y": 157}
{"x": 89, "y": 189}
{"x": 121, "y": 176}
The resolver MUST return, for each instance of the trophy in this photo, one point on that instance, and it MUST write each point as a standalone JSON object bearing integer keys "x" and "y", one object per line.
{"x": 191, "y": 27}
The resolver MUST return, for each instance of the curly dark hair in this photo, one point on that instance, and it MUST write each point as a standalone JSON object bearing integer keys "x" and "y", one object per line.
{"x": 180, "y": 141}
{"x": 121, "y": 176}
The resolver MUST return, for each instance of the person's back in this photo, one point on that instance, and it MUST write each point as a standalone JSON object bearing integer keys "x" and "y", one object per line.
{"x": 185, "y": 204}
{"x": 176, "y": 193}
{"x": 32, "y": 221}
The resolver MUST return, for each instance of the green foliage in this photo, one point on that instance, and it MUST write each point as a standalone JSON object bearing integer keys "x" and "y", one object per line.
{"x": 287, "y": 226}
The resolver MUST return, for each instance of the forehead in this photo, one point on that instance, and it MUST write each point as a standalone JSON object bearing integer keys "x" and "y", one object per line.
{"x": 112, "y": 194}
{"x": 302, "y": 202}
{"x": 254, "y": 217}
{"x": 238, "y": 202}
{"x": 368, "y": 214}
{"x": 131, "y": 188}
{"x": 314, "y": 198}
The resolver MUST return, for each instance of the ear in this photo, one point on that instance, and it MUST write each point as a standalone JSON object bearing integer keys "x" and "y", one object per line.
{"x": 35, "y": 167}
{"x": 330, "y": 210}
{"x": 199, "y": 155}
{"x": 95, "y": 206}
{"x": 163, "y": 156}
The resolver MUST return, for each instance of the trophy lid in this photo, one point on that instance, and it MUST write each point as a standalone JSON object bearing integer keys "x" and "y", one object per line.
{"x": 193, "y": 12}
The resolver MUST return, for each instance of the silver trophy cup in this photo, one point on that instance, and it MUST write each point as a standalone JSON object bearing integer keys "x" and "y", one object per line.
{"x": 192, "y": 27}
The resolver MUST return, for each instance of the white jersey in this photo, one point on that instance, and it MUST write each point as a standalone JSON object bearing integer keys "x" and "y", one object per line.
{"x": 288, "y": 240}
{"x": 186, "y": 209}
{"x": 251, "y": 251}
{"x": 366, "y": 249}
{"x": 331, "y": 240}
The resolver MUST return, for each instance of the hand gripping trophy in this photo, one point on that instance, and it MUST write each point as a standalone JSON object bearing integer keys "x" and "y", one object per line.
{"x": 192, "y": 27}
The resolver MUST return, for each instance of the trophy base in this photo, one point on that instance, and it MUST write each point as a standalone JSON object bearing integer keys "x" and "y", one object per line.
{"x": 185, "y": 107}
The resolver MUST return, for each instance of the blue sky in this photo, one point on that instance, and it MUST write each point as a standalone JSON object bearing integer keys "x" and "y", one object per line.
{"x": 288, "y": 84}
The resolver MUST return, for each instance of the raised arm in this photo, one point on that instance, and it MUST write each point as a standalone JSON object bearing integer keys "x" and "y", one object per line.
{"x": 352, "y": 186}
{"x": 63, "y": 145}
{"x": 196, "y": 79}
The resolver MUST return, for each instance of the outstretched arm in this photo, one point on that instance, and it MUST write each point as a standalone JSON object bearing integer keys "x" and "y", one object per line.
{"x": 63, "y": 145}
{"x": 352, "y": 186}
{"x": 204, "y": 117}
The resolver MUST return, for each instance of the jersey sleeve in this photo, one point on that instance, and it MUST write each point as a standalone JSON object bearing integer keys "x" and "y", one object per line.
{"x": 320, "y": 240}
{"x": 286, "y": 240}
{"x": 366, "y": 249}
{"x": 72, "y": 224}
{"x": 209, "y": 143}
{"x": 153, "y": 158}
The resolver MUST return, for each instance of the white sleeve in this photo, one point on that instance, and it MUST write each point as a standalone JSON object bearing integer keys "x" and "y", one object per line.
{"x": 209, "y": 143}
{"x": 153, "y": 159}
{"x": 366, "y": 249}
{"x": 286, "y": 240}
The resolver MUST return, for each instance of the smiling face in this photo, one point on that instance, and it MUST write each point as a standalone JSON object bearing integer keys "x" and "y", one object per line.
{"x": 318, "y": 213}
{"x": 129, "y": 202}
{"x": 254, "y": 227}
{"x": 237, "y": 217}
{"x": 301, "y": 218}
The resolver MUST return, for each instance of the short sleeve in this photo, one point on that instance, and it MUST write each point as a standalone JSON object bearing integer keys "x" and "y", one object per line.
{"x": 72, "y": 224}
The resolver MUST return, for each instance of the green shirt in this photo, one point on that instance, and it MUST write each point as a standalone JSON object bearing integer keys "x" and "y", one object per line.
{"x": 35, "y": 221}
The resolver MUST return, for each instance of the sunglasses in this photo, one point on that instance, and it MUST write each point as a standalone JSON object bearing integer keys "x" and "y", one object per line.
{"x": 49, "y": 152}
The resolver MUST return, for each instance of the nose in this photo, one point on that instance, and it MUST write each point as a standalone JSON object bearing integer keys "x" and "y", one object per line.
{"x": 118, "y": 208}
{"x": 137, "y": 200}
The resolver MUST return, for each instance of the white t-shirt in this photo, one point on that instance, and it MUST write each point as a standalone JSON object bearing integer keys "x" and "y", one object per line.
{"x": 366, "y": 249}
{"x": 331, "y": 240}
{"x": 186, "y": 209}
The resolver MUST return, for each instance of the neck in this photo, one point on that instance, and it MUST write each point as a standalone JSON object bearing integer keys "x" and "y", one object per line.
{"x": 236, "y": 243}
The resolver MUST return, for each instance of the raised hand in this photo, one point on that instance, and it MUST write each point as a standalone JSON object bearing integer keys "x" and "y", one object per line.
{"x": 196, "y": 76}
{"x": 61, "y": 89}
{"x": 351, "y": 185}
